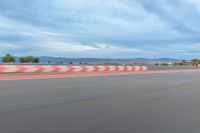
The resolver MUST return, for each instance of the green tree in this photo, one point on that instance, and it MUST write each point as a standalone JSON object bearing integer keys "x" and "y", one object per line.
{"x": 8, "y": 58}
{"x": 35, "y": 60}
{"x": 28, "y": 59}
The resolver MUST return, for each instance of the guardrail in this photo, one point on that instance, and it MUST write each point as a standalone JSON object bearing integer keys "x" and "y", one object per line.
{"x": 70, "y": 69}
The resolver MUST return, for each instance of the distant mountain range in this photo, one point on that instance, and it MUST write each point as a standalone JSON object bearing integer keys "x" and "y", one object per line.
{"x": 46, "y": 59}
{"x": 62, "y": 59}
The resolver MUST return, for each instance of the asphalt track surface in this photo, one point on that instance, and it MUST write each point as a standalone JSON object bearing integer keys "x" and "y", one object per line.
{"x": 148, "y": 103}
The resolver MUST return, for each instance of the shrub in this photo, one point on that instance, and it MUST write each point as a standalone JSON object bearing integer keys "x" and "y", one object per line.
{"x": 8, "y": 58}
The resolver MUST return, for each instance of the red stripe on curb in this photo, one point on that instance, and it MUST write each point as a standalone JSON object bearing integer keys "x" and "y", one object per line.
{"x": 70, "y": 68}
{"x": 55, "y": 68}
{"x": 96, "y": 68}
{"x": 84, "y": 69}
{"x": 39, "y": 68}
{"x": 2, "y": 68}
{"x": 106, "y": 68}
{"x": 20, "y": 68}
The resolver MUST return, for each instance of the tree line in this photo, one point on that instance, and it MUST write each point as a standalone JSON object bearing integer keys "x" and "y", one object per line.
{"x": 26, "y": 59}
{"x": 30, "y": 59}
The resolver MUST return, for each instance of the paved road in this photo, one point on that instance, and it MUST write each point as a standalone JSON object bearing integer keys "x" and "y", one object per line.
{"x": 152, "y": 103}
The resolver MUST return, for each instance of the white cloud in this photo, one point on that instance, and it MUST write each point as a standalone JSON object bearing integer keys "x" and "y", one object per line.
{"x": 66, "y": 47}
{"x": 78, "y": 47}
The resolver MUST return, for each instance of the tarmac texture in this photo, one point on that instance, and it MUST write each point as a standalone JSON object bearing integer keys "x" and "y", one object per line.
{"x": 148, "y": 103}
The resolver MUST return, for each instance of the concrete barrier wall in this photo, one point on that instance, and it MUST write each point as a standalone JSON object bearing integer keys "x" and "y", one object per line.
{"x": 70, "y": 69}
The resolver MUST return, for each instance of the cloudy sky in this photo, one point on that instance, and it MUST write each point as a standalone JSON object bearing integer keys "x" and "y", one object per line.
{"x": 101, "y": 28}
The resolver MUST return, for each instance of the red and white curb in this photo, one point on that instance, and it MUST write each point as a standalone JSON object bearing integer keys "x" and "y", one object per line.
{"x": 68, "y": 69}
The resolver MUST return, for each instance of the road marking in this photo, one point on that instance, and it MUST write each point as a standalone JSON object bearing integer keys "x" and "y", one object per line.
{"x": 57, "y": 76}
